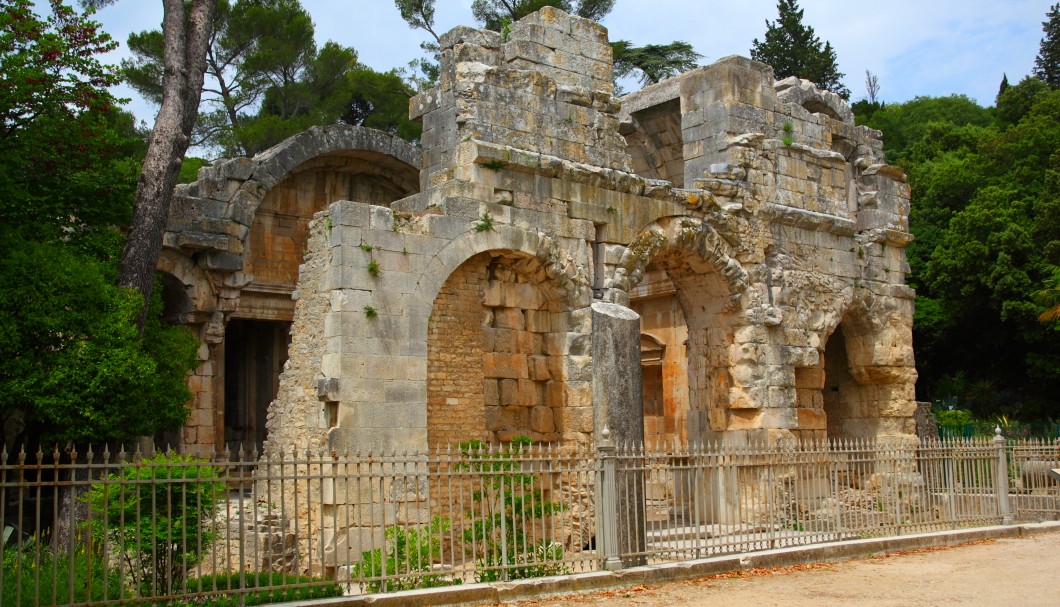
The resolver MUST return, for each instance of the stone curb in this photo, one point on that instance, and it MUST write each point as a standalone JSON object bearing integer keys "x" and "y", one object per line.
{"x": 503, "y": 592}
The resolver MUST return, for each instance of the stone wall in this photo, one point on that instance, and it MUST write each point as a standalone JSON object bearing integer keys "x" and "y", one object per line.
{"x": 463, "y": 310}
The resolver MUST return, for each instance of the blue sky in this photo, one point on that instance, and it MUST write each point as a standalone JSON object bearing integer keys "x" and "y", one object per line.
{"x": 915, "y": 47}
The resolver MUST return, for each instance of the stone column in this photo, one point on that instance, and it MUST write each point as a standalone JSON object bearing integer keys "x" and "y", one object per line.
{"x": 617, "y": 406}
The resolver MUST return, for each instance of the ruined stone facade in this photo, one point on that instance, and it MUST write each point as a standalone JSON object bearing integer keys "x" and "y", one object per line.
{"x": 443, "y": 293}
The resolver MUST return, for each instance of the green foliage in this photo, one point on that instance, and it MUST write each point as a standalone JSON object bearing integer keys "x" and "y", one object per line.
{"x": 380, "y": 100}
{"x": 76, "y": 369}
{"x": 189, "y": 168}
{"x": 75, "y": 364}
{"x": 68, "y": 158}
{"x": 485, "y": 223}
{"x": 793, "y": 49}
{"x": 30, "y": 572}
{"x": 787, "y": 140}
{"x": 370, "y": 312}
{"x": 653, "y": 62}
{"x": 505, "y": 510}
{"x": 1047, "y": 63}
{"x": 50, "y": 66}
{"x": 907, "y": 123}
{"x": 1016, "y": 101}
{"x": 986, "y": 217}
{"x": 157, "y": 512}
{"x": 1049, "y": 297}
{"x": 373, "y": 268}
{"x": 268, "y": 80}
{"x": 407, "y": 559}
{"x": 274, "y": 587}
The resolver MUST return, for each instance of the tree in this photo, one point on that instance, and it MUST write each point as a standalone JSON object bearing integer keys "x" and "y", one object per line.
{"x": 380, "y": 100}
{"x": 76, "y": 367}
{"x": 1047, "y": 63}
{"x": 254, "y": 46}
{"x": 654, "y": 62}
{"x": 1049, "y": 297}
{"x": 186, "y": 35}
{"x": 986, "y": 217}
{"x": 793, "y": 49}
{"x": 872, "y": 87}
{"x": 268, "y": 80}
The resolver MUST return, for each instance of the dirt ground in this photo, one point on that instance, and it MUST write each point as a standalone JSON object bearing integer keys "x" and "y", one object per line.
{"x": 1010, "y": 572}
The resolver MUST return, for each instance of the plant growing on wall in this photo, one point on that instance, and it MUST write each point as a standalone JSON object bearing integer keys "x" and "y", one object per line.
{"x": 500, "y": 533}
{"x": 156, "y": 513}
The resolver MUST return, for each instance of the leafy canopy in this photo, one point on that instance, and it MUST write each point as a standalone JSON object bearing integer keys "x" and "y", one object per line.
{"x": 267, "y": 79}
{"x": 986, "y": 217}
{"x": 793, "y": 49}
{"x": 76, "y": 368}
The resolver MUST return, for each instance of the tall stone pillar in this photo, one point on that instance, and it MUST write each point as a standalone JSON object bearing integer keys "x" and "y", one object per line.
{"x": 617, "y": 405}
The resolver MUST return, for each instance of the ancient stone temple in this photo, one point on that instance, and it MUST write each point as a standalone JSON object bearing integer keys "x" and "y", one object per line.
{"x": 355, "y": 291}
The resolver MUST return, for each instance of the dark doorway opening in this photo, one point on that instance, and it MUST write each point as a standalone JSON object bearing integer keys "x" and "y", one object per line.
{"x": 255, "y": 352}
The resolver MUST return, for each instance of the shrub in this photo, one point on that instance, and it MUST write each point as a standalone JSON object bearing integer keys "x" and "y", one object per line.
{"x": 35, "y": 575}
{"x": 409, "y": 551}
{"x": 272, "y": 587}
{"x": 505, "y": 509}
{"x": 153, "y": 512}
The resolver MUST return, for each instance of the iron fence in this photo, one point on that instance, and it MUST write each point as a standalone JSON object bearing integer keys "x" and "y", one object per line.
{"x": 246, "y": 528}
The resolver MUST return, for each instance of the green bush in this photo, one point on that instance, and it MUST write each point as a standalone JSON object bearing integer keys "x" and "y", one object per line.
{"x": 504, "y": 511}
{"x": 409, "y": 551}
{"x": 35, "y": 575}
{"x": 273, "y": 587}
{"x": 156, "y": 513}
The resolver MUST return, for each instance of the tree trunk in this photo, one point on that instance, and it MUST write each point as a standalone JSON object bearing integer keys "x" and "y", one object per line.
{"x": 185, "y": 67}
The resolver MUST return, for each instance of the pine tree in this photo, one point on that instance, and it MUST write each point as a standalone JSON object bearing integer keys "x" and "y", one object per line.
{"x": 793, "y": 49}
{"x": 1047, "y": 64}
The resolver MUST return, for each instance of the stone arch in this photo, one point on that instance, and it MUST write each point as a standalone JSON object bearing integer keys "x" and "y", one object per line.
{"x": 684, "y": 280}
{"x": 185, "y": 281}
{"x": 687, "y": 233}
{"x": 497, "y": 354}
{"x": 272, "y": 166}
{"x": 867, "y": 363}
{"x": 570, "y": 275}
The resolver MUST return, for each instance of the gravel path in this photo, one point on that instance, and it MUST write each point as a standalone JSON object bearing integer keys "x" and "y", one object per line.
{"x": 1010, "y": 572}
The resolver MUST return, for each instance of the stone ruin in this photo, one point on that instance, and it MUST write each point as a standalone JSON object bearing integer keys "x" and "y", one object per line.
{"x": 354, "y": 291}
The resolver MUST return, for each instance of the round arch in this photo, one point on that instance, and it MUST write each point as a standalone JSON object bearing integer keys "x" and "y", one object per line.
{"x": 570, "y": 275}
{"x": 269, "y": 168}
{"x": 686, "y": 233}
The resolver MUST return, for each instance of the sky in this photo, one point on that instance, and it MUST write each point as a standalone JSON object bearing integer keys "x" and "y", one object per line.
{"x": 915, "y": 47}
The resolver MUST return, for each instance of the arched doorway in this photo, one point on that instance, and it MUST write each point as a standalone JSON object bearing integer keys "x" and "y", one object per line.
{"x": 495, "y": 364}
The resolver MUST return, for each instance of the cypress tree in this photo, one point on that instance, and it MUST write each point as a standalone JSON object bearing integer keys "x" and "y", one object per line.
{"x": 1047, "y": 63}
{"x": 793, "y": 49}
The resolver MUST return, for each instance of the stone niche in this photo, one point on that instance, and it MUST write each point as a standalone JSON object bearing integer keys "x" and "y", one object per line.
{"x": 442, "y": 292}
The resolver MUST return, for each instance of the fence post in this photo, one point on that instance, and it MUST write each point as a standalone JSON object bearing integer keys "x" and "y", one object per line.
{"x": 1001, "y": 482}
{"x": 607, "y": 505}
